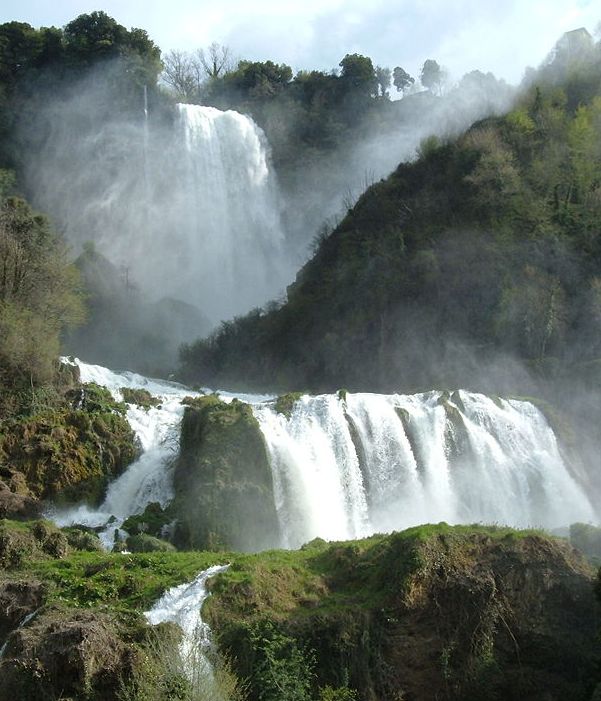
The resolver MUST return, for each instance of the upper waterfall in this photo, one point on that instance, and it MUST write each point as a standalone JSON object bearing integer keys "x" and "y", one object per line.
{"x": 229, "y": 238}
{"x": 186, "y": 205}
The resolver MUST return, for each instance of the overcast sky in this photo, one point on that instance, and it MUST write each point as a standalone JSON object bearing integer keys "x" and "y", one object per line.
{"x": 502, "y": 36}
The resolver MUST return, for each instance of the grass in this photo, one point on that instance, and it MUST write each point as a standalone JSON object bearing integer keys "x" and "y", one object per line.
{"x": 330, "y": 577}
{"x": 119, "y": 581}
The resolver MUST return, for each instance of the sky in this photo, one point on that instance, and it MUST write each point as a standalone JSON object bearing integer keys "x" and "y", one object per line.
{"x": 502, "y": 36}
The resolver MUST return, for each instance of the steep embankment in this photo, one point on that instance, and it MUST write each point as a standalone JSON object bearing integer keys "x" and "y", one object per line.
{"x": 433, "y": 612}
{"x": 486, "y": 247}
{"x": 65, "y": 446}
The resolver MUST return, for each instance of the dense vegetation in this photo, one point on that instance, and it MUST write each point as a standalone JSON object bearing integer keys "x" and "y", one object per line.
{"x": 487, "y": 246}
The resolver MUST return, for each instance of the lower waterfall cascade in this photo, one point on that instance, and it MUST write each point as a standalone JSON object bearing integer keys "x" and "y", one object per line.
{"x": 348, "y": 465}
{"x": 183, "y": 605}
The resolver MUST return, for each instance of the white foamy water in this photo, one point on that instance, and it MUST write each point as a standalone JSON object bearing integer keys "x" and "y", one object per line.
{"x": 348, "y": 468}
{"x": 183, "y": 605}
{"x": 190, "y": 208}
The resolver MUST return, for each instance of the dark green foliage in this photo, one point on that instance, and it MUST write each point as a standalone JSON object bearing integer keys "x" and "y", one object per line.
{"x": 282, "y": 668}
{"x": 151, "y": 521}
{"x": 223, "y": 483}
{"x": 81, "y": 538}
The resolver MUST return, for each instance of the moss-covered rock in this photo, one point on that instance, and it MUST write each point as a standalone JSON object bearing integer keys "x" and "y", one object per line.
{"x": 144, "y": 543}
{"x": 433, "y": 612}
{"x": 223, "y": 483}
{"x": 69, "y": 454}
{"x": 22, "y": 541}
{"x": 82, "y": 538}
{"x": 285, "y": 403}
{"x": 18, "y": 506}
{"x": 65, "y": 653}
{"x": 18, "y": 598}
{"x": 151, "y": 521}
{"x": 140, "y": 397}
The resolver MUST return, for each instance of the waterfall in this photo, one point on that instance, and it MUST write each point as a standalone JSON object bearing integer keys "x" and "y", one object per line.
{"x": 346, "y": 468}
{"x": 228, "y": 235}
{"x": 149, "y": 478}
{"x": 189, "y": 205}
{"x": 183, "y": 605}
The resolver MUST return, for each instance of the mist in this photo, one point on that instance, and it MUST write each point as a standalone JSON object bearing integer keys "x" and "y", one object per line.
{"x": 383, "y": 143}
{"x": 181, "y": 201}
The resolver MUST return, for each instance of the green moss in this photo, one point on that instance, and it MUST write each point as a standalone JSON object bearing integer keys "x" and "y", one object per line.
{"x": 223, "y": 483}
{"x": 69, "y": 454}
{"x": 81, "y": 538}
{"x": 140, "y": 397}
{"x": 285, "y": 404}
{"x": 22, "y": 541}
{"x": 151, "y": 521}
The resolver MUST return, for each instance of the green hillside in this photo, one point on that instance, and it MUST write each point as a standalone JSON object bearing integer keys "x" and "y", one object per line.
{"x": 486, "y": 247}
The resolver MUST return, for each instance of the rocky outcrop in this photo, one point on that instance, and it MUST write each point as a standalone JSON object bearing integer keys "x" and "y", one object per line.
{"x": 18, "y": 599}
{"x": 68, "y": 453}
{"x": 18, "y": 506}
{"x": 65, "y": 653}
{"x": 224, "y": 490}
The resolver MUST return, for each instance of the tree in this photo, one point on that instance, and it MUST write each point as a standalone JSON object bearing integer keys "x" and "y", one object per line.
{"x": 401, "y": 79}
{"x": 98, "y": 37}
{"x": 93, "y": 36}
{"x": 181, "y": 73}
{"x": 383, "y": 76}
{"x": 256, "y": 79}
{"x": 20, "y": 45}
{"x": 217, "y": 60}
{"x": 432, "y": 76}
{"x": 359, "y": 75}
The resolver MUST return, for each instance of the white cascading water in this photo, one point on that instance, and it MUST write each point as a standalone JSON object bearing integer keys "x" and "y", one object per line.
{"x": 190, "y": 209}
{"x": 346, "y": 467}
{"x": 224, "y": 221}
{"x": 183, "y": 605}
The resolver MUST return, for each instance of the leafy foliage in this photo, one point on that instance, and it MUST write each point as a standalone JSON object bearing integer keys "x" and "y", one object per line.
{"x": 38, "y": 294}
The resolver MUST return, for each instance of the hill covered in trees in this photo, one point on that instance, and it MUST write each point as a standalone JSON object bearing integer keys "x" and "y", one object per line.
{"x": 483, "y": 252}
